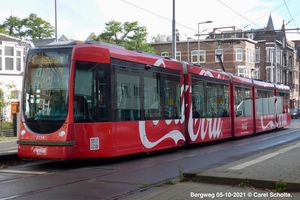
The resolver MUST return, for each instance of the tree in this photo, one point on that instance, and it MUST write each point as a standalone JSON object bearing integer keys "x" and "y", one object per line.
{"x": 37, "y": 28}
{"x": 6, "y": 94}
{"x": 32, "y": 27}
{"x": 13, "y": 26}
{"x": 129, "y": 35}
{"x": 2, "y": 30}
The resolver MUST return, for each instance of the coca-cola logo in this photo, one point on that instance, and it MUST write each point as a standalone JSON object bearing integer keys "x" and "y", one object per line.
{"x": 40, "y": 150}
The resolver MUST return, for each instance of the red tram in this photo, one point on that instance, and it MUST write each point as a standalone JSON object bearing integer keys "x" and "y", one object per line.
{"x": 95, "y": 101}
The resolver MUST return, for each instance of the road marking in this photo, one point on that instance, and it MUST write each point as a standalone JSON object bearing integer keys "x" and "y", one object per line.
{"x": 263, "y": 158}
{"x": 21, "y": 172}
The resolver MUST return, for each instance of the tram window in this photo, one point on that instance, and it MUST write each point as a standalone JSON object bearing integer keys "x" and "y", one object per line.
{"x": 212, "y": 93}
{"x": 152, "y": 95}
{"x": 198, "y": 102}
{"x": 279, "y": 104}
{"x": 258, "y": 102}
{"x": 222, "y": 101}
{"x": 282, "y": 102}
{"x": 243, "y": 102}
{"x": 286, "y": 102}
{"x": 172, "y": 97}
{"x": 265, "y": 102}
{"x": 248, "y": 102}
{"x": 128, "y": 100}
{"x": 102, "y": 96}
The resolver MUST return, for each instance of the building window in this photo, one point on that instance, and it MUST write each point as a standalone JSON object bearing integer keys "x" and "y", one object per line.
{"x": 178, "y": 55}
{"x": 11, "y": 57}
{"x": 202, "y": 56}
{"x": 249, "y": 56}
{"x": 243, "y": 71}
{"x": 256, "y": 72}
{"x": 270, "y": 73}
{"x": 239, "y": 54}
{"x": 18, "y": 60}
{"x": 219, "y": 51}
{"x": 165, "y": 54}
{"x": 257, "y": 55}
{"x": 269, "y": 54}
{"x": 279, "y": 56}
{"x": 194, "y": 57}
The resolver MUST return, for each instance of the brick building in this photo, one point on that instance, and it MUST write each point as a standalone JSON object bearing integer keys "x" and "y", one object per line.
{"x": 263, "y": 54}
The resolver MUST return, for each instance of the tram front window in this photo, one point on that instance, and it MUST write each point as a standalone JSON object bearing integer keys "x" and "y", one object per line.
{"x": 46, "y": 88}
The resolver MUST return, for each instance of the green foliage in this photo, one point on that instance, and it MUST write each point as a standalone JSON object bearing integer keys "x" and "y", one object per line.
{"x": 245, "y": 184}
{"x": 2, "y": 138}
{"x": 145, "y": 185}
{"x": 169, "y": 182}
{"x": 3, "y": 30}
{"x": 13, "y": 26}
{"x": 280, "y": 186}
{"x": 32, "y": 27}
{"x": 129, "y": 35}
{"x": 6, "y": 93}
{"x": 37, "y": 28}
{"x": 7, "y": 125}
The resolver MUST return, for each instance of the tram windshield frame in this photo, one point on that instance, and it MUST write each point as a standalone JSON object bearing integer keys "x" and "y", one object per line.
{"x": 46, "y": 88}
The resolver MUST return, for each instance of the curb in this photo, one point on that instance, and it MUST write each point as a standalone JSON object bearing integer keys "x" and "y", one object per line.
{"x": 264, "y": 184}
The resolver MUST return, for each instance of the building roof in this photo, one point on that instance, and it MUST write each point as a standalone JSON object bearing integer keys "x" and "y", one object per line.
{"x": 9, "y": 38}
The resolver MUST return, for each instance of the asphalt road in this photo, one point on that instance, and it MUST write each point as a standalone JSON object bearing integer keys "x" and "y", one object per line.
{"x": 114, "y": 178}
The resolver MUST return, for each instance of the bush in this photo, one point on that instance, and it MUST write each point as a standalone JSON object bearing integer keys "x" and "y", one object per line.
{"x": 7, "y": 125}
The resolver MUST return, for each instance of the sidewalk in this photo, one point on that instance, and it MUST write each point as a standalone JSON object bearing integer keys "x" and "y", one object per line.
{"x": 257, "y": 174}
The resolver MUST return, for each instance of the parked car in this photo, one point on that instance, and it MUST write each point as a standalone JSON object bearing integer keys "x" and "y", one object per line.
{"x": 295, "y": 113}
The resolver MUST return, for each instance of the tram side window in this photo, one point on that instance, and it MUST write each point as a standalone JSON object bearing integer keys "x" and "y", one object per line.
{"x": 264, "y": 102}
{"x": 212, "y": 94}
{"x": 83, "y": 86}
{"x": 279, "y": 104}
{"x": 283, "y": 101}
{"x": 286, "y": 103}
{"x": 222, "y": 101}
{"x": 243, "y": 102}
{"x": 258, "y": 102}
{"x": 271, "y": 102}
{"x": 102, "y": 95}
{"x": 248, "y": 102}
{"x": 198, "y": 101}
{"x": 128, "y": 94}
{"x": 267, "y": 102}
{"x": 172, "y": 97}
{"x": 152, "y": 95}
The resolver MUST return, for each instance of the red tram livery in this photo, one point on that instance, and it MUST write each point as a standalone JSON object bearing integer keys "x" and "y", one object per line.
{"x": 96, "y": 101}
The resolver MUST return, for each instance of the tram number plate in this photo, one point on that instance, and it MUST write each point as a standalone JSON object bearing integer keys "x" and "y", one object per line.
{"x": 94, "y": 143}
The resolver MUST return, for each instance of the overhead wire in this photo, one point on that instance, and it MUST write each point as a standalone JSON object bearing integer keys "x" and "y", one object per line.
{"x": 157, "y": 15}
{"x": 292, "y": 18}
{"x": 251, "y": 22}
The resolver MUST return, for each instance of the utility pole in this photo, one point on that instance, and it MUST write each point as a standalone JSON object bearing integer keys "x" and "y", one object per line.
{"x": 55, "y": 21}
{"x": 173, "y": 33}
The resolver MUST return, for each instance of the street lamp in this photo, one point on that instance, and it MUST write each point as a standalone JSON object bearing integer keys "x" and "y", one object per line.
{"x": 188, "y": 48}
{"x": 198, "y": 53}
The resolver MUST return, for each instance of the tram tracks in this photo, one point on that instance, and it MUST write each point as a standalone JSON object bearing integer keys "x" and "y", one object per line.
{"x": 112, "y": 173}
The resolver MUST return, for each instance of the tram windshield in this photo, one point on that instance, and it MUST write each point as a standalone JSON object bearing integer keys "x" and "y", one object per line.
{"x": 46, "y": 88}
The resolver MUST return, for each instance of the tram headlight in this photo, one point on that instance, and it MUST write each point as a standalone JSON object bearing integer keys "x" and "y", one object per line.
{"x": 23, "y": 132}
{"x": 62, "y": 133}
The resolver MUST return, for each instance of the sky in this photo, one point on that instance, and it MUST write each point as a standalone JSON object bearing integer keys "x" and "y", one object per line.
{"x": 77, "y": 19}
